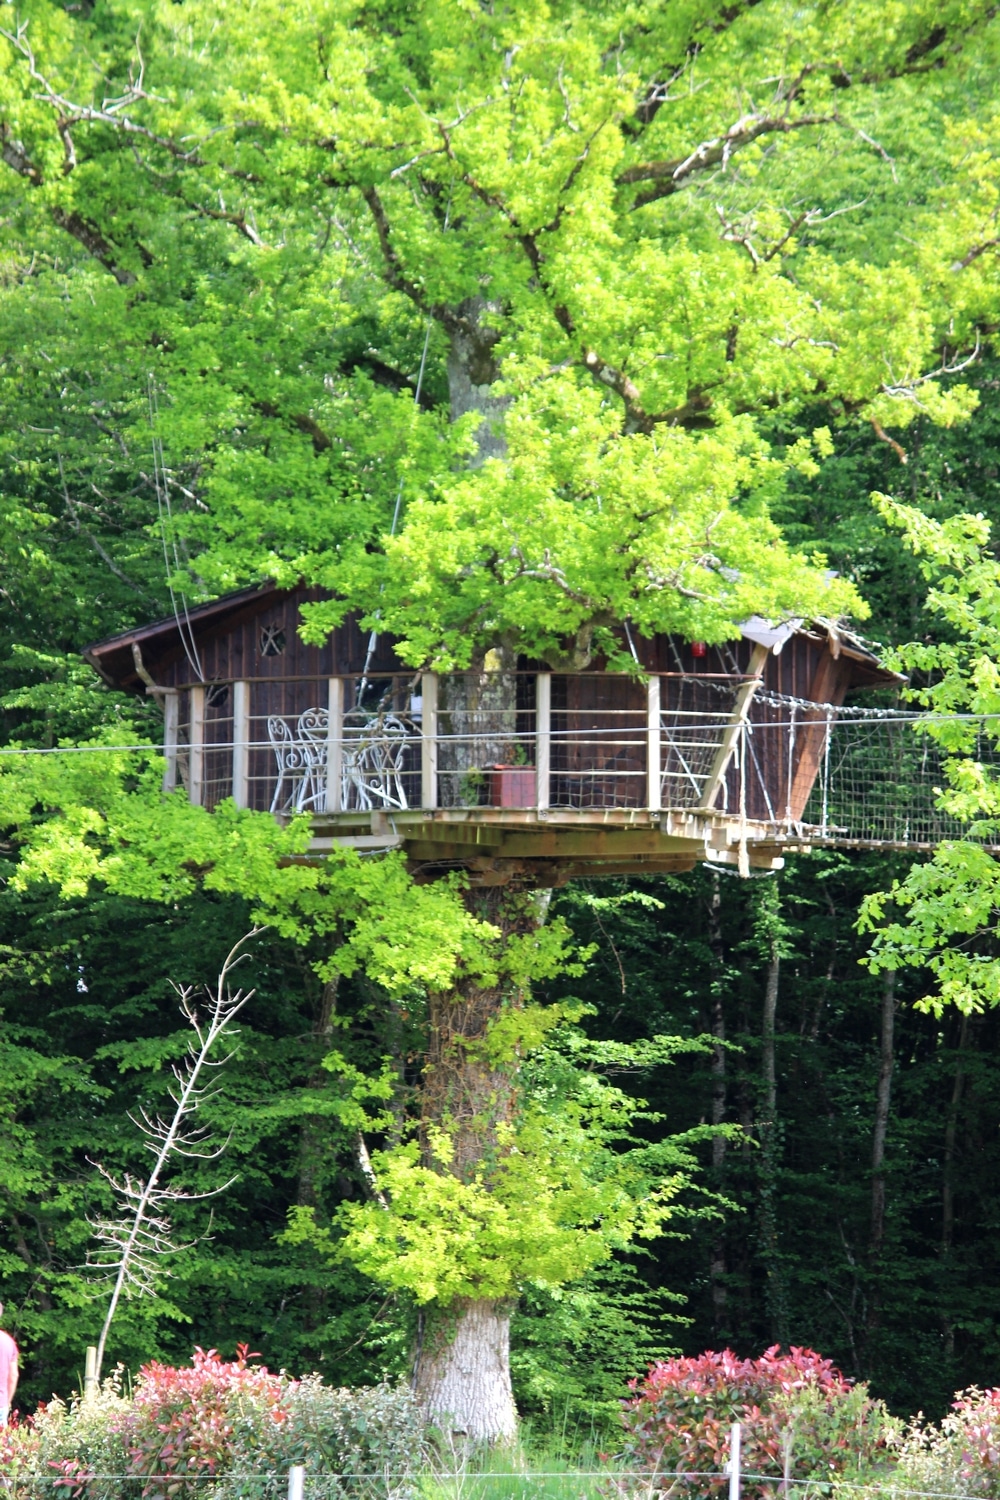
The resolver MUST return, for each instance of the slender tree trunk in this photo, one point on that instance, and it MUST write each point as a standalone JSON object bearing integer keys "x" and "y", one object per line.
{"x": 312, "y": 1134}
{"x": 767, "y": 1130}
{"x": 717, "y": 1266}
{"x": 947, "y": 1181}
{"x": 883, "y": 1098}
{"x": 461, "y": 1369}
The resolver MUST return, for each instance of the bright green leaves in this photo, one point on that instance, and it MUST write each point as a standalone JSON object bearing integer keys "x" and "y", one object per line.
{"x": 945, "y": 915}
{"x": 566, "y": 1185}
{"x": 573, "y": 533}
{"x": 776, "y": 224}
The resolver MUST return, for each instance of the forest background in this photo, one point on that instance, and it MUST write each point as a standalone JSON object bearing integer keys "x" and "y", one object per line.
{"x": 863, "y": 1197}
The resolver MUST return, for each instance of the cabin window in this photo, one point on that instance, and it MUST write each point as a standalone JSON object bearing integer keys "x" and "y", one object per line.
{"x": 272, "y": 640}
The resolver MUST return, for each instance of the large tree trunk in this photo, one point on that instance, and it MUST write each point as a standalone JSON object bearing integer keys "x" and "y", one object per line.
{"x": 477, "y": 727}
{"x": 473, "y": 371}
{"x": 461, "y": 1369}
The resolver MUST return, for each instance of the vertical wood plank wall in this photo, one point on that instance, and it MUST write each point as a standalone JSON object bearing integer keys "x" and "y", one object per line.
{"x": 171, "y": 734}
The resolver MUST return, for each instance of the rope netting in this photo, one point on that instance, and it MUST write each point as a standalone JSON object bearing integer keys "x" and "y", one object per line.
{"x": 876, "y": 774}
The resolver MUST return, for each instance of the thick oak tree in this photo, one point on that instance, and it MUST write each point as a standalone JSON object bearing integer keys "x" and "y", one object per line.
{"x": 602, "y": 244}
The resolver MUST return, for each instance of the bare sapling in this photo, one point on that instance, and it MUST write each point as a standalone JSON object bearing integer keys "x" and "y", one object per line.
{"x": 134, "y": 1241}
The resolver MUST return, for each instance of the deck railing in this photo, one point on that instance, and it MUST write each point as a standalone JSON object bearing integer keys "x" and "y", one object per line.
{"x": 548, "y": 741}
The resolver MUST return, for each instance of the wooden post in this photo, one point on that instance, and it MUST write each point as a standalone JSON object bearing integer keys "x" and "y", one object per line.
{"x": 196, "y": 772}
{"x": 171, "y": 722}
{"x": 241, "y": 744}
{"x": 731, "y": 734}
{"x": 335, "y": 746}
{"x": 297, "y": 1482}
{"x": 654, "y": 782}
{"x": 543, "y": 738}
{"x": 428, "y": 740}
{"x": 90, "y": 1373}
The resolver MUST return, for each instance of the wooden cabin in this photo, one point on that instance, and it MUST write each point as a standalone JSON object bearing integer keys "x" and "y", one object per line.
{"x": 709, "y": 753}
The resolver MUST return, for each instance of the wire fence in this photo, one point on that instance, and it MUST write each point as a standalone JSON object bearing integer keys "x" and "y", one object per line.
{"x": 820, "y": 772}
{"x": 469, "y": 1483}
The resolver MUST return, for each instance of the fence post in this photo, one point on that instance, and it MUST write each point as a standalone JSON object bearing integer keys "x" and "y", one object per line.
{"x": 734, "y": 1462}
{"x": 654, "y": 795}
{"x": 296, "y": 1482}
{"x": 335, "y": 745}
{"x": 90, "y": 1373}
{"x": 428, "y": 740}
{"x": 241, "y": 743}
{"x": 543, "y": 738}
{"x": 196, "y": 751}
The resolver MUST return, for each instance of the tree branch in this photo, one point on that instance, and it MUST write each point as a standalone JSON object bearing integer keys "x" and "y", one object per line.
{"x": 396, "y": 275}
{"x": 671, "y": 176}
{"x": 974, "y": 254}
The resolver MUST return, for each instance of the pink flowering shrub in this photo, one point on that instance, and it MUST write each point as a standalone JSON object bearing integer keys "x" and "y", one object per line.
{"x": 801, "y": 1418}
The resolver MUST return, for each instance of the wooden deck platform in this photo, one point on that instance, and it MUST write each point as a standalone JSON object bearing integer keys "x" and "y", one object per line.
{"x": 547, "y": 847}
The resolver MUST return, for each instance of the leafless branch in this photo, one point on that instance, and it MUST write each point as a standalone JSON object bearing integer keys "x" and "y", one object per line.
{"x": 906, "y": 390}
{"x": 671, "y": 176}
{"x": 134, "y": 1240}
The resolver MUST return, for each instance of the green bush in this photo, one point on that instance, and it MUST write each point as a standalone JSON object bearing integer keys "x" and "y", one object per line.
{"x": 217, "y": 1430}
{"x": 961, "y": 1456}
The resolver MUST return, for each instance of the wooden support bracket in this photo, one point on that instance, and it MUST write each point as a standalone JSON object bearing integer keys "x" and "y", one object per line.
{"x": 730, "y": 738}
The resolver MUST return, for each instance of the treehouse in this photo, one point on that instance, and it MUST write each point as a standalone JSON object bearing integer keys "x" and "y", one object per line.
{"x": 721, "y": 754}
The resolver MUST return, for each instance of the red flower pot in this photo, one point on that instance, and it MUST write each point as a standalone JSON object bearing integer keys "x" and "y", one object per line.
{"x": 511, "y": 786}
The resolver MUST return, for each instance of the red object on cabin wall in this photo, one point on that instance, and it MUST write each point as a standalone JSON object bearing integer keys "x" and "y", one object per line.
{"x": 698, "y": 648}
{"x": 512, "y": 786}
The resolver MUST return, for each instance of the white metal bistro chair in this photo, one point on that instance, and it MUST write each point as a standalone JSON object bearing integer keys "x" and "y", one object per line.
{"x": 374, "y": 746}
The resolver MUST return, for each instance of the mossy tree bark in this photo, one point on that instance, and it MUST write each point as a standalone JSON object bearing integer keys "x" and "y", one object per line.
{"x": 462, "y": 1363}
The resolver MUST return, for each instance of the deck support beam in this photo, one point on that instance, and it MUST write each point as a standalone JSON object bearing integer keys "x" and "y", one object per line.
{"x": 733, "y": 730}
{"x": 428, "y": 740}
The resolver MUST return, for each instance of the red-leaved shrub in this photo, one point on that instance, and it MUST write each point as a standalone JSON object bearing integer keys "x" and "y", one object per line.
{"x": 801, "y": 1418}
{"x": 187, "y": 1421}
